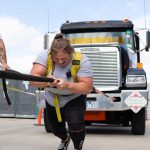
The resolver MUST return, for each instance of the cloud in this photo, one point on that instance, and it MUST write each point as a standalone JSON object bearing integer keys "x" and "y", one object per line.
{"x": 130, "y": 3}
{"x": 23, "y": 43}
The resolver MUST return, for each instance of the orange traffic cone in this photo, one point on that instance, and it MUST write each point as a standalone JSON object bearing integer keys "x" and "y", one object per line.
{"x": 40, "y": 116}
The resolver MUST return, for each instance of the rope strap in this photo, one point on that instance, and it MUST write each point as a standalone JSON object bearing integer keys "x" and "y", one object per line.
{"x": 57, "y": 108}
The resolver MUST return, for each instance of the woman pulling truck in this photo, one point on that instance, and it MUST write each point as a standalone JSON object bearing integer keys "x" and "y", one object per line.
{"x": 74, "y": 86}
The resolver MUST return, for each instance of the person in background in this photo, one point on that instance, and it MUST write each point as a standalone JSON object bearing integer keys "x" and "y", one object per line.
{"x": 73, "y": 105}
{"x": 3, "y": 57}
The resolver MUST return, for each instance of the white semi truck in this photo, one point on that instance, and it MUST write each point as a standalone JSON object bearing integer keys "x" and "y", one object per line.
{"x": 113, "y": 49}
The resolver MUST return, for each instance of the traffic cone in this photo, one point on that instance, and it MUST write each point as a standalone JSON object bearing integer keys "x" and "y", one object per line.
{"x": 40, "y": 116}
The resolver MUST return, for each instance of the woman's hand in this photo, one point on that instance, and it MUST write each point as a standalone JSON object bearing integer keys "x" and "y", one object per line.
{"x": 61, "y": 84}
{"x": 52, "y": 84}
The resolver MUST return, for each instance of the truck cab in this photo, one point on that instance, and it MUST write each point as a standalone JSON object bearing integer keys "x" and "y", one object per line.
{"x": 120, "y": 94}
{"x": 113, "y": 48}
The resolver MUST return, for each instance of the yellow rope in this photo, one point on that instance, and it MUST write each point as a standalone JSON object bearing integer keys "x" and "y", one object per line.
{"x": 56, "y": 104}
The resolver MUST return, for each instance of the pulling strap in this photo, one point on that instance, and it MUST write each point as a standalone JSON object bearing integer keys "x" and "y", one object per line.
{"x": 12, "y": 74}
{"x": 5, "y": 91}
{"x": 57, "y": 108}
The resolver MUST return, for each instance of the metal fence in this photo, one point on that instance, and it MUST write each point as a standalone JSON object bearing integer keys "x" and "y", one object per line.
{"x": 22, "y": 98}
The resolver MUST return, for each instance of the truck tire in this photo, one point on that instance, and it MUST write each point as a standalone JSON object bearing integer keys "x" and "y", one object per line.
{"x": 46, "y": 122}
{"x": 138, "y": 122}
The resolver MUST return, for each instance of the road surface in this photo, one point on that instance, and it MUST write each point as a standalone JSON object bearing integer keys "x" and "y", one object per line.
{"x": 25, "y": 134}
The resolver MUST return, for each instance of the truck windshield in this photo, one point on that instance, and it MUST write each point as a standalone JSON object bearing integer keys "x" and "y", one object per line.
{"x": 124, "y": 38}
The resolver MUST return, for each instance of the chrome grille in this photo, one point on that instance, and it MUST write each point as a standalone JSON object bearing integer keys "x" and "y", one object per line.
{"x": 105, "y": 64}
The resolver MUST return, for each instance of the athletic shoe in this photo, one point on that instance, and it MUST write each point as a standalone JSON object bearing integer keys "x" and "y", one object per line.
{"x": 64, "y": 145}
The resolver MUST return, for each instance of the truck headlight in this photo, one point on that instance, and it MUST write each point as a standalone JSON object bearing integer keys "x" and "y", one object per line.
{"x": 135, "y": 81}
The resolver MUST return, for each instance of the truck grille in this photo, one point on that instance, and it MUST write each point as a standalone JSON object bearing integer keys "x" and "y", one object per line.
{"x": 106, "y": 69}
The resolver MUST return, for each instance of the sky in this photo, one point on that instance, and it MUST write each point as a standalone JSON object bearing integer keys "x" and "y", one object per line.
{"x": 23, "y": 23}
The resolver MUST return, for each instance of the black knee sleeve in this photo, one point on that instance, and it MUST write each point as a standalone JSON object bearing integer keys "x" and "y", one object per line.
{"x": 77, "y": 133}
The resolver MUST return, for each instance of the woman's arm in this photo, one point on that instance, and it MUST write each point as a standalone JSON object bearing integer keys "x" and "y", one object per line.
{"x": 3, "y": 58}
{"x": 40, "y": 70}
{"x": 83, "y": 86}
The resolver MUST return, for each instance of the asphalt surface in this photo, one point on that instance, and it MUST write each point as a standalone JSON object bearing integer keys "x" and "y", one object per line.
{"x": 25, "y": 134}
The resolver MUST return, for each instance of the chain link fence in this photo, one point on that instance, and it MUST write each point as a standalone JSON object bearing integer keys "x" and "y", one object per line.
{"x": 22, "y": 98}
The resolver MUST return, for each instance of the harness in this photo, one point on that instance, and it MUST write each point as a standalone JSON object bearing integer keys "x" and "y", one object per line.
{"x": 76, "y": 59}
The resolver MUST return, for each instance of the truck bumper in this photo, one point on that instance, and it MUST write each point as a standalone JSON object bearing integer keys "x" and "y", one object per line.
{"x": 126, "y": 100}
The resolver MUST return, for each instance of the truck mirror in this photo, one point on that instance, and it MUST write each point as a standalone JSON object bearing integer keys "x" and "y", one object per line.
{"x": 147, "y": 40}
{"x": 137, "y": 42}
{"x": 46, "y": 41}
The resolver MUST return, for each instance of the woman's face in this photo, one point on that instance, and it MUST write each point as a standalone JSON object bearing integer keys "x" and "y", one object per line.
{"x": 62, "y": 58}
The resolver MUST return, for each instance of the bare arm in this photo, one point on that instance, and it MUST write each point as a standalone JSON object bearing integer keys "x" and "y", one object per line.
{"x": 40, "y": 70}
{"x": 83, "y": 86}
{"x": 3, "y": 58}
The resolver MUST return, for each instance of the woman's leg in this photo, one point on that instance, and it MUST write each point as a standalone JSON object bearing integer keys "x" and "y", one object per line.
{"x": 58, "y": 128}
{"x": 74, "y": 113}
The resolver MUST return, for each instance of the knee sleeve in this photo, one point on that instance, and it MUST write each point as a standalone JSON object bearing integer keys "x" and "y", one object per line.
{"x": 77, "y": 133}
{"x": 76, "y": 127}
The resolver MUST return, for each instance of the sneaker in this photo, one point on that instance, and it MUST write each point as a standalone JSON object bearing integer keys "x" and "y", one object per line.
{"x": 64, "y": 145}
